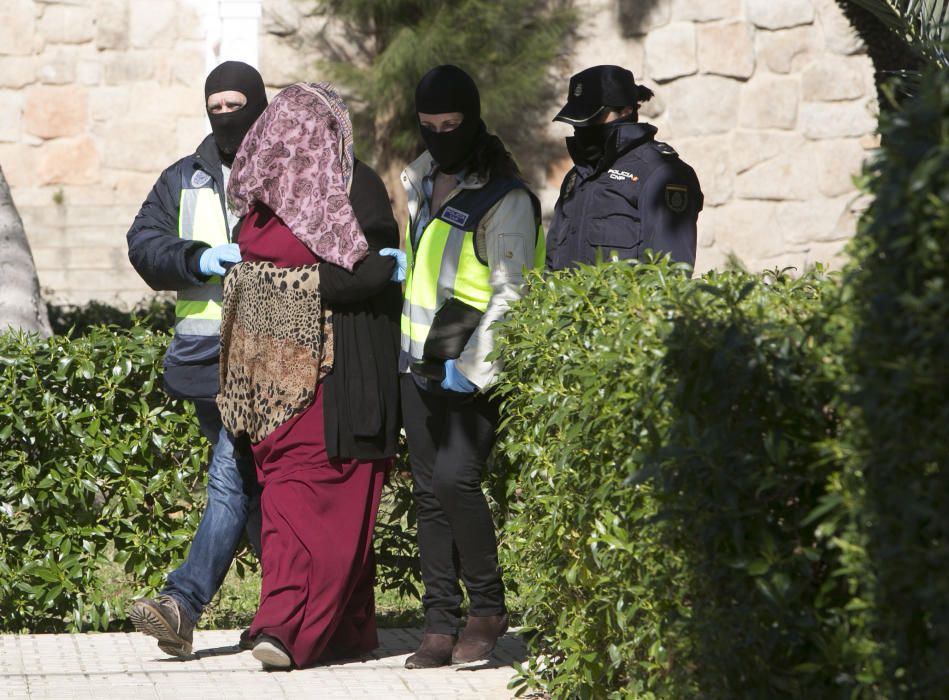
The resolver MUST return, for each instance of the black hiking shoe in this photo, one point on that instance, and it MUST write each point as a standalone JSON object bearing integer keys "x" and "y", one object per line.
{"x": 245, "y": 642}
{"x": 165, "y": 621}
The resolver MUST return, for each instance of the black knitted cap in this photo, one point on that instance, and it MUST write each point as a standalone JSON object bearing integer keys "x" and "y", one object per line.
{"x": 448, "y": 88}
{"x": 236, "y": 75}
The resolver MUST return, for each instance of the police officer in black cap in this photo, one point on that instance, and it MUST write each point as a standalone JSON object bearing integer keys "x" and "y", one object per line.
{"x": 627, "y": 192}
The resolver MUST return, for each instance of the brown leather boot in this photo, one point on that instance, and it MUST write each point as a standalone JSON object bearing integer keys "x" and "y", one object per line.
{"x": 479, "y": 637}
{"x": 434, "y": 651}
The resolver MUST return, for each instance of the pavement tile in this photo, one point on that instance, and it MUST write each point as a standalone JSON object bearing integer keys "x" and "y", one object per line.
{"x": 130, "y": 667}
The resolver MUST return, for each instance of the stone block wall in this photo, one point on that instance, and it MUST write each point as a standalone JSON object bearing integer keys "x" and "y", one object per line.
{"x": 773, "y": 103}
{"x": 97, "y": 97}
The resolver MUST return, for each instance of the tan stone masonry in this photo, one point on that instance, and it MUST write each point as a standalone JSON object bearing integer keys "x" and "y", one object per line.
{"x": 772, "y": 102}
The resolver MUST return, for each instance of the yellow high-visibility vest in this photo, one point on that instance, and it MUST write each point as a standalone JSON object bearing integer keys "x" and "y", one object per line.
{"x": 200, "y": 216}
{"x": 445, "y": 263}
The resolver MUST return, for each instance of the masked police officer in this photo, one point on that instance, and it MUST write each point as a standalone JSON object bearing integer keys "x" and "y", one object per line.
{"x": 627, "y": 192}
{"x": 182, "y": 240}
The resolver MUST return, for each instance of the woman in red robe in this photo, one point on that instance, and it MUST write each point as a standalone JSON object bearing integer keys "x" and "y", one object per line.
{"x": 310, "y": 205}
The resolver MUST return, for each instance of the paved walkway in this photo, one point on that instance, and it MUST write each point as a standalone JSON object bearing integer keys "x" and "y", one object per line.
{"x": 130, "y": 667}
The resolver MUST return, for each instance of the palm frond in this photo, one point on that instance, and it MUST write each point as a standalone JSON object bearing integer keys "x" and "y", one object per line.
{"x": 922, "y": 24}
{"x": 886, "y": 12}
{"x": 934, "y": 27}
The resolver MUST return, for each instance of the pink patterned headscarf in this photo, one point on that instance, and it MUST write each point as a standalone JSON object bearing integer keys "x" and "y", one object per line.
{"x": 298, "y": 160}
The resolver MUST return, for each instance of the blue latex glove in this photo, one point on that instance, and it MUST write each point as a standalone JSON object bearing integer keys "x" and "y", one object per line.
{"x": 455, "y": 381}
{"x": 398, "y": 274}
{"x": 214, "y": 260}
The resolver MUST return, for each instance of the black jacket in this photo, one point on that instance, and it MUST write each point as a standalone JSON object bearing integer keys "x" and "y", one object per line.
{"x": 361, "y": 394}
{"x": 167, "y": 262}
{"x": 640, "y": 196}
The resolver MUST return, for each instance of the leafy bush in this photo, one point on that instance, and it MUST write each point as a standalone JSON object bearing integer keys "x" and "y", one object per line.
{"x": 673, "y": 534}
{"x": 96, "y": 462}
{"x": 580, "y": 409}
{"x": 900, "y": 284}
{"x": 746, "y": 487}
{"x": 398, "y": 567}
{"x": 508, "y": 48}
{"x": 97, "y": 466}
{"x": 156, "y": 313}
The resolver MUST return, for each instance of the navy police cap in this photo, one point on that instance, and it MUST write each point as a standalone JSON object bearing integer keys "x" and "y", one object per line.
{"x": 595, "y": 88}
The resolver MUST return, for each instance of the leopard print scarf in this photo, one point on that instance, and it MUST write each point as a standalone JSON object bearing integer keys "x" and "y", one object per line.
{"x": 276, "y": 346}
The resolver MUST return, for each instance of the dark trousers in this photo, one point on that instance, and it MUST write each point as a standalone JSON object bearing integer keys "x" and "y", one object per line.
{"x": 450, "y": 437}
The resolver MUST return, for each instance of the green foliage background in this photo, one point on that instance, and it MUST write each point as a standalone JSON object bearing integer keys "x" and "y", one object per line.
{"x": 674, "y": 442}
{"x": 898, "y": 358}
{"x": 97, "y": 464}
{"x": 102, "y": 475}
{"x": 922, "y": 25}
{"x": 508, "y": 47}
{"x": 737, "y": 486}
{"x": 156, "y": 314}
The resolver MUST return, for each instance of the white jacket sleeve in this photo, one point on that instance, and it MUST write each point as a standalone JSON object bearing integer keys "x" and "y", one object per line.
{"x": 510, "y": 232}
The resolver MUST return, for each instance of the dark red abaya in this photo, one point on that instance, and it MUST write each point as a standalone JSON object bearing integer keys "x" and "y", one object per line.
{"x": 318, "y": 514}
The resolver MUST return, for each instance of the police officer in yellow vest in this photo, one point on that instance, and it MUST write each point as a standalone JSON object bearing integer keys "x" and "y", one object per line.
{"x": 182, "y": 240}
{"x": 474, "y": 227}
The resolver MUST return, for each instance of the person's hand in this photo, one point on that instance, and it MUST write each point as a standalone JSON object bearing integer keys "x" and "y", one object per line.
{"x": 214, "y": 261}
{"x": 398, "y": 274}
{"x": 455, "y": 381}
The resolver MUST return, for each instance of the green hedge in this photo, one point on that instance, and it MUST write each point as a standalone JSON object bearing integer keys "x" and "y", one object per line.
{"x": 156, "y": 313}
{"x": 675, "y": 531}
{"x": 900, "y": 364}
{"x": 97, "y": 464}
{"x": 101, "y": 472}
{"x": 737, "y": 486}
{"x": 746, "y": 484}
{"x": 581, "y": 413}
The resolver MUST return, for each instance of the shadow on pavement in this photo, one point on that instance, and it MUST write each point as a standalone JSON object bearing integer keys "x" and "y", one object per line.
{"x": 202, "y": 654}
{"x": 218, "y": 651}
{"x": 510, "y": 650}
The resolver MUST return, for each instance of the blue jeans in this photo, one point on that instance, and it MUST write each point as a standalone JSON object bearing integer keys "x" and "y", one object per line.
{"x": 233, "y": 507}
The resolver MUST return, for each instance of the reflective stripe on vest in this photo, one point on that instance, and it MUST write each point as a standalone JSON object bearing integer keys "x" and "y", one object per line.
{"x": 444, "y": 266}
{"x": 198, "y": 310}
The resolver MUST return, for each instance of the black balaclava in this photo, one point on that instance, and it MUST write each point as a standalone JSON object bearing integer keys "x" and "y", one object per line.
{"x": 449, "y": 89}
{"x": 588, "y": 144}
{"x": 229, "y": 128}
